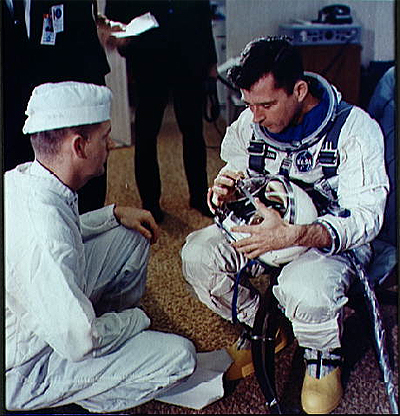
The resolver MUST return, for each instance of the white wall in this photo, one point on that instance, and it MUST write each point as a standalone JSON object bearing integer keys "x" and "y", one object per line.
{"x": 116, "y": 80}
{"x": 247, "y": 19}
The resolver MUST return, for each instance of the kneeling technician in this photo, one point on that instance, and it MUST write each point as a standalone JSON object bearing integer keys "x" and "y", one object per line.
{"x": 74, "y": 331}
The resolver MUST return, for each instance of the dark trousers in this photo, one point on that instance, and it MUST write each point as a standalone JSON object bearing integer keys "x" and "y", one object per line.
{"x": 152, "y": 97}
{"x": 93, "y": 194}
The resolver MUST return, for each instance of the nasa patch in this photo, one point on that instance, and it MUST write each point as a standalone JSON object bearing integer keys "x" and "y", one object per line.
{"x": 304, "y": 161}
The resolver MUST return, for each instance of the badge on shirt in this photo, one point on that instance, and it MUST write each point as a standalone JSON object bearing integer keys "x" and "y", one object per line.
{"x": 53, "y": 23}
{"x": 48, "y": 34}
{"x": 57, "y": 14}
{"x": 304, "y": 161}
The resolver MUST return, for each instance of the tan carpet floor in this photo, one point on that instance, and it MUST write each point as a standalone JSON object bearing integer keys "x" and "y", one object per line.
{"x": 173, "y": 308}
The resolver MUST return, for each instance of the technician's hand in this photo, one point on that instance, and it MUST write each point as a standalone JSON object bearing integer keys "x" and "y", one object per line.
{"x": 223, "y": 189}
{"x": 272, "y": 233}
{"x": 105, "y": 28}
{"x": 213, "y": 71}
{"x": 139, "y": 220}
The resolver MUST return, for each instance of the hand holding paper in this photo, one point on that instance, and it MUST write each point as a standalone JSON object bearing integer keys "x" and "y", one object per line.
{"x": 137, "y": 26}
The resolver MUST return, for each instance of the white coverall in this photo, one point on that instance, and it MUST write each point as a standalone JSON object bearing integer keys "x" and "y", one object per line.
{"x": 74, "y": 333}
{"x": 312, "y": 288}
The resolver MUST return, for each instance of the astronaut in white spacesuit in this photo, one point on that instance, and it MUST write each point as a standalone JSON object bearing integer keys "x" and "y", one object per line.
{"x": 285, "y": 130}
{"x": 74, "y": 330}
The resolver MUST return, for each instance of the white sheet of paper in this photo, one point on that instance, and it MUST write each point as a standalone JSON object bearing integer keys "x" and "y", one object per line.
{"x": 138, "y": 25}
{"x": 204, "y": 386}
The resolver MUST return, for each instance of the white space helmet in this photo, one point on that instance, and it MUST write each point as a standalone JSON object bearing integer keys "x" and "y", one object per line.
{"x": 292, "y": 202}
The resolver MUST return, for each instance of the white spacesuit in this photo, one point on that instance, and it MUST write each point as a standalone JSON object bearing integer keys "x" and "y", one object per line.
{"x": 311, "y": 288}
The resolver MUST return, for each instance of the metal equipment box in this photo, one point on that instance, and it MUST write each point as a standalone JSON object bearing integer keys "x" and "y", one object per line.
{"x": 308, "y": 33}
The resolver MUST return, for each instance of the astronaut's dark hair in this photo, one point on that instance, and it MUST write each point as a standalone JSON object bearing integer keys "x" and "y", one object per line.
{"x": 262, "y": 56}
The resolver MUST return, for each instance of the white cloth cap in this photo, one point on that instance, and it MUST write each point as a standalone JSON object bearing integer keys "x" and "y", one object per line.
{"x": 66, "y": 104}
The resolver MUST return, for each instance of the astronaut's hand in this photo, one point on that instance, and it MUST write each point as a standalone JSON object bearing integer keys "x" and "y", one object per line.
{"x": 271, "y": 232}
{"x": 139, "y": 220}
{"x": 223, "y": 189}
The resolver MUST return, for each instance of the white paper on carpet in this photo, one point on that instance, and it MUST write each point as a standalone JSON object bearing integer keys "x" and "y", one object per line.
{"x": 204, "y": 386}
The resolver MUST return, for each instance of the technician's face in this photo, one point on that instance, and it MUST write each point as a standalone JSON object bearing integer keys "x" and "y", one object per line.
{"x": 98, "y": 147}
{"x": 271, "y": 107}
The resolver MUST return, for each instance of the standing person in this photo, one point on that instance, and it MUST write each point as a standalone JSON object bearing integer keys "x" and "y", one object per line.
{"x": 49, "y": 41}
{"x": 15, "y": 86}
{"x": 74, "y": 330}
{"x": 177, "y": 57}
{"x": 284, "y": 130}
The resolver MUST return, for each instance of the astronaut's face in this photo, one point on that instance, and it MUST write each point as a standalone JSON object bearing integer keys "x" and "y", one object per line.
{"x": 273, "y": 108}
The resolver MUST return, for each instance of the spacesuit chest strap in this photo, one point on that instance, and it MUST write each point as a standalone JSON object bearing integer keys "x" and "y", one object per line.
{"x": 328, "y": 156}
{"x": 258, "y": 151}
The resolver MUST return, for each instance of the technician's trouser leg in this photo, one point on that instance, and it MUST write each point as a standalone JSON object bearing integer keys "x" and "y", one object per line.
{"x": 146, "y": 367}
{"x": 188, "y": 106}
{"x": 152, "y": 100}
{"x": 116, "y": 268}
{"x": 142, "y": 368}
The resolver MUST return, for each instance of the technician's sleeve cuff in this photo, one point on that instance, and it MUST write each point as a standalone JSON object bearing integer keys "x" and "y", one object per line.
{"x": 98, "y": 221}
{"x": 335, "y": 241}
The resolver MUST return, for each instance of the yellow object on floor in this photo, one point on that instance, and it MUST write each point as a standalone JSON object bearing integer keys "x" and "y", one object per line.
{"x": 242, "y": 365}
{"x": 321, "y": 396}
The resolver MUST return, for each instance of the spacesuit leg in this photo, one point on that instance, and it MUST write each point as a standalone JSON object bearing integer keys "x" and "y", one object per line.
{"x": 210, "y": 265}
{"x": 312, "y": 290}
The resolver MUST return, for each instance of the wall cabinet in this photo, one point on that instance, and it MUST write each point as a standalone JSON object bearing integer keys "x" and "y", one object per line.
{"x": 339, "y": 64}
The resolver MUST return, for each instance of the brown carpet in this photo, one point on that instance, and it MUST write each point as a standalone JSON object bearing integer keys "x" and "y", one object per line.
{"x": 173, "y": 308}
